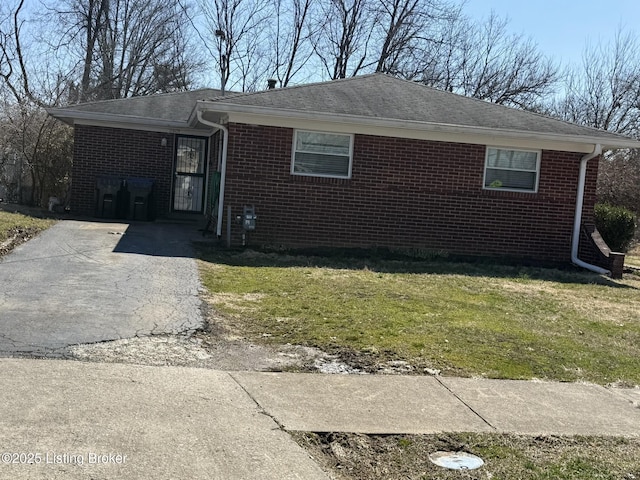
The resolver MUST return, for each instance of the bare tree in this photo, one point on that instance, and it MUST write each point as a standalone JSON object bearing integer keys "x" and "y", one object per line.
{"x": 83, "y": 22}
{"x": 407, "y": 28}
{"x": 39, "y": 148}
{"x": 605, "y": 92}
{"x": 236, "y": 29}
{"x": 42, "y": 150}
{"x": 483, "y": 60}
{"x": 13, "y": 69}
{"x": 344, "y": 30}
{"x": 125, "y": 47}
{"x": 619, "y": 179}
{"x": 283, "y": 38}
{"x": 290, "y": 38}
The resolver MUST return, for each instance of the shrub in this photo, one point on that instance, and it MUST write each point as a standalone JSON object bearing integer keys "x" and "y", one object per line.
{"x": 617, "y": 225}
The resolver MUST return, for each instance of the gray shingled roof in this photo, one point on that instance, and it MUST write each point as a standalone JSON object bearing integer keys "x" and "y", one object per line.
{"x": 169, "y": 106}
{"x": 375, "y": 96}
{"x": 385, "y": 97}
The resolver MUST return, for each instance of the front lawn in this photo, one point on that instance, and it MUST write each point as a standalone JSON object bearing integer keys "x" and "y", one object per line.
{"x": 461, "y": 319}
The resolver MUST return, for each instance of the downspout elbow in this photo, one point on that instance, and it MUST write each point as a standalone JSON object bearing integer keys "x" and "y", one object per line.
{"x": 223, "y": 167}
{"x": 577, "y": 221}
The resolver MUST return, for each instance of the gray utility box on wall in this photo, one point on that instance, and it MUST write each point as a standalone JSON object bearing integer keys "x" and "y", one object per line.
{"x": 249, "y": 217}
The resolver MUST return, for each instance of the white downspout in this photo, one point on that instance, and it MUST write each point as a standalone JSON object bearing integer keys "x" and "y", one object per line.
{"x": 577, "y": 222}
{"x": 223, "y": 167}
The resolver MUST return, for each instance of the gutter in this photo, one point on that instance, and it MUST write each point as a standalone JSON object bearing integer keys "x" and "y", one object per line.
{"x": 223, "y": 167}
{"x": 577, "y": 222}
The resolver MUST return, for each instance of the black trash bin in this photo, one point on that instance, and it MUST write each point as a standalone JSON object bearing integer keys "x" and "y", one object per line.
{"x": 140, "y": 198}
{"x": 108, "y": 195}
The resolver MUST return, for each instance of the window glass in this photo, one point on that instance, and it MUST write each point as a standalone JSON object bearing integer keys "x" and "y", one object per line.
{"x": 322, "y": 154}
{"x": 316, "y": 142}
{"x": 190, "y": 155}
{"x": 512, "y": 169}
{"x": 512, "y": 159}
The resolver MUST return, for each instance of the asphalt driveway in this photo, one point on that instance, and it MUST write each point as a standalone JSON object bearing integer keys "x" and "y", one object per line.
{"x": 87, "y": 282}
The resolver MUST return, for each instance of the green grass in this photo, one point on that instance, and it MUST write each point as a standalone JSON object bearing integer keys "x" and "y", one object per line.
{"x": 464, "y": 319}
{"x": 10, "y": 223}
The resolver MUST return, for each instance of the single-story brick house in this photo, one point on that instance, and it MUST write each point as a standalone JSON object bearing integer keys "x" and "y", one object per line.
{"x": 370, "y": 161}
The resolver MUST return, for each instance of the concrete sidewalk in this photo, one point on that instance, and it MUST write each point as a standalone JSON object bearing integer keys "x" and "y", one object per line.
{"x": 108, "y": 421}
{"x": 415, "y": 404}
{"x": 88, "y": 420}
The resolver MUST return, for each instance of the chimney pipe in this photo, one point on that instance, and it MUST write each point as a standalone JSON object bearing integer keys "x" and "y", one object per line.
{"x": 271, "y": 83}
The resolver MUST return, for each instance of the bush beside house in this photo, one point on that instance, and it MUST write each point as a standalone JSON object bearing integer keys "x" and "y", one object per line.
{"x": 617, "y": 225}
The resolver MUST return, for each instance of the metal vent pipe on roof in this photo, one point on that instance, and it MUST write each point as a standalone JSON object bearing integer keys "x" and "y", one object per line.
{"x": 271, "y": 83}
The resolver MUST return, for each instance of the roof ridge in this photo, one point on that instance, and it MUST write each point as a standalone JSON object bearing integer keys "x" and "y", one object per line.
{"x": 295, "y": 87}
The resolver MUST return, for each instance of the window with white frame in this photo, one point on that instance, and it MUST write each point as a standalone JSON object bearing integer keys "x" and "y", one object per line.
{"x": 322, "y": 154}
{"x": 515, "y": 170}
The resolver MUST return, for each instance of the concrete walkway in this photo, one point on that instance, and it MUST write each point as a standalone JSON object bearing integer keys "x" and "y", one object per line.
{"x": 102, "y": 421}
{"x": 87, "y": 282}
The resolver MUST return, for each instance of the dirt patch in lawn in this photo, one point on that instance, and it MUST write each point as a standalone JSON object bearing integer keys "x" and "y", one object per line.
{"x": 214, "y": 347}
{"x": 17, "y": 236}
{"x": 221, "y": 346}
{"x": 227, "y": 332}
{"x": 368, "y": 457}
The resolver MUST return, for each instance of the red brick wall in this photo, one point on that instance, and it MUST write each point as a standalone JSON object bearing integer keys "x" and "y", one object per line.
{"x": 403, "y": 193}
{"x": 120, "y": 152}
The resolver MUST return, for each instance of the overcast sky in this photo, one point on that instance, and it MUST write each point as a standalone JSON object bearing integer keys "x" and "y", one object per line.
{"x": 561, "y": 28}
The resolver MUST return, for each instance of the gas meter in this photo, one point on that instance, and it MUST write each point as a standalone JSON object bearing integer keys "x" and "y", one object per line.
{"x": 249, "y": 217}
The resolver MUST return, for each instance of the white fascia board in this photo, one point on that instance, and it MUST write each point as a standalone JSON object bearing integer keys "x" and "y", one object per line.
{"x": 122, "y": 121}
{"x": 413, "y": 129}
{"x": 145, "y": 128}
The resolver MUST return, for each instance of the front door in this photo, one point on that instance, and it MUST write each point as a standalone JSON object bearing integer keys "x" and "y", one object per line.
{"x": 190, "y": 168}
